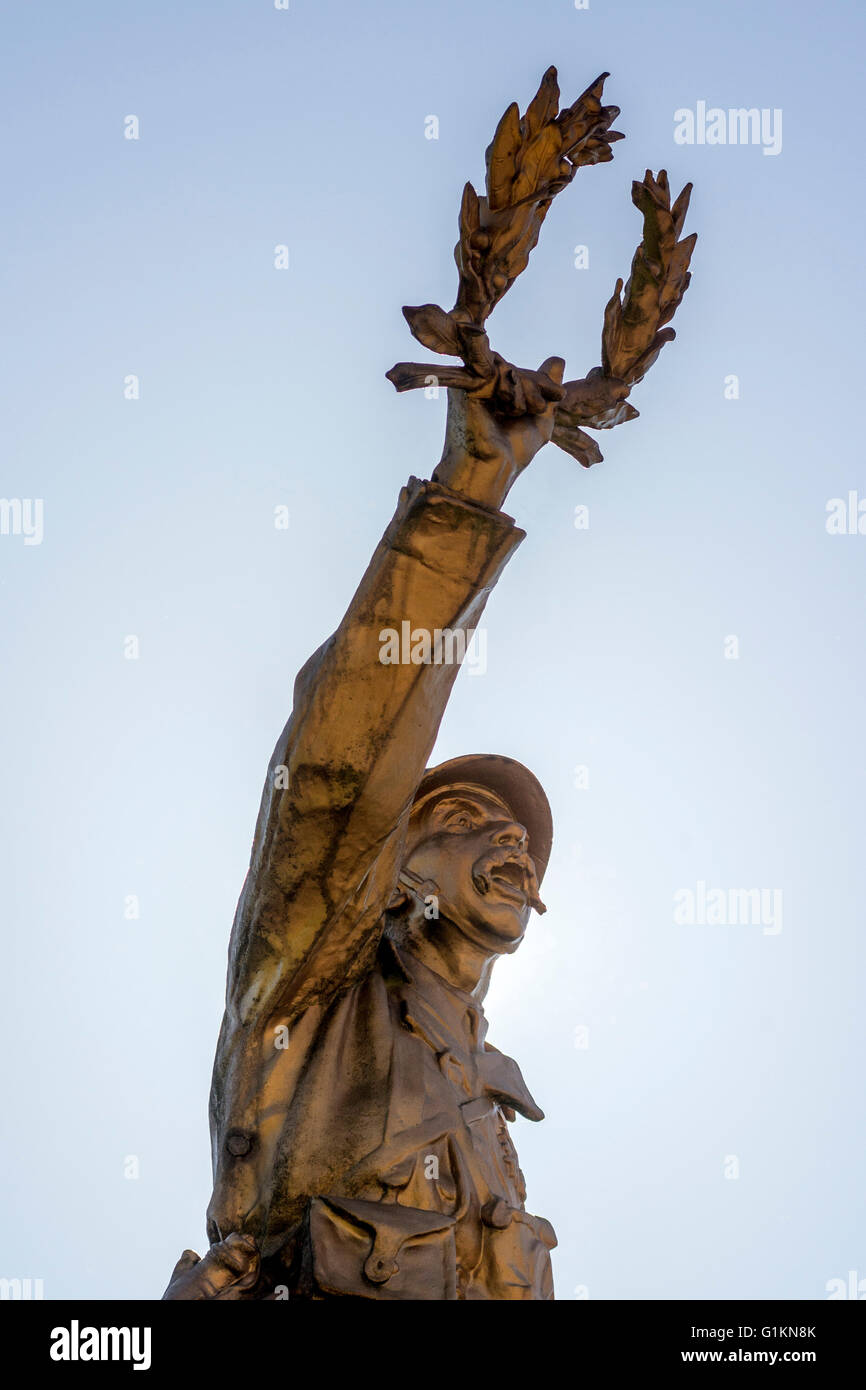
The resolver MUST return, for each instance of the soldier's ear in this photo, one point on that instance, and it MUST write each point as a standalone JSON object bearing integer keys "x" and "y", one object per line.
{"x": 399, "y": 902}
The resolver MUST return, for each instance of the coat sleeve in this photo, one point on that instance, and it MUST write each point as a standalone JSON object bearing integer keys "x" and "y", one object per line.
{"x": 343, "y": 775}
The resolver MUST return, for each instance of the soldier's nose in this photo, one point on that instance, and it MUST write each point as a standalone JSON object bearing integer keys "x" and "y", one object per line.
{"x": 512, "y": 833}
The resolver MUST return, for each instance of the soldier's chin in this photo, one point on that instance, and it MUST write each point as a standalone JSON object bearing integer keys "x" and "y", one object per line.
{"x": 502, "y": 921}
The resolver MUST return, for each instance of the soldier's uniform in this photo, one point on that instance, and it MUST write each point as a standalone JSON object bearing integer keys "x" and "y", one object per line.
{"x": 357, "y": 1111}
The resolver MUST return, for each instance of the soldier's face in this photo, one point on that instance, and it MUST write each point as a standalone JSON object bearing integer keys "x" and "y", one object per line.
{"x": 469, "y": 845}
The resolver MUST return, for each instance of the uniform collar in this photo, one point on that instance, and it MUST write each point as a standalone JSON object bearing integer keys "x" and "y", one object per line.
{"x": 443, "y": 1008}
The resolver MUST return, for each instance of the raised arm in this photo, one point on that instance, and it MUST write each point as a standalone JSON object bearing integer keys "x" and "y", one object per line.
{"x": 345, "y": 769}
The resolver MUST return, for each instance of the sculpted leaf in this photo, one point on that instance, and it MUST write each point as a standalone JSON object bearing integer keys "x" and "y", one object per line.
{"x": 501, "y": 158}
{"x": 433, "y": 327}
{"x": 544, "y": 105}
{"x": 573, "y": 440}
{"x": 539, "y": 163}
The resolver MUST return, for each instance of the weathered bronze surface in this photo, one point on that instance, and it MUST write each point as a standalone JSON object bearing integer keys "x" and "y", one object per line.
{"x": 359, "y": 1117}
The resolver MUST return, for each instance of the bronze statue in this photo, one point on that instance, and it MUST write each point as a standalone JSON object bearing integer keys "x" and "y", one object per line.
{"x": 359, "y": 1117}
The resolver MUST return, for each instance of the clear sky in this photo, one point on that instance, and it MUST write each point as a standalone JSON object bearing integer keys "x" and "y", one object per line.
{"x": 713, "y": 1050}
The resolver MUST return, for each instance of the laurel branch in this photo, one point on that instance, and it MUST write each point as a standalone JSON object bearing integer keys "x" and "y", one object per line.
{"x": 529, "y": 160}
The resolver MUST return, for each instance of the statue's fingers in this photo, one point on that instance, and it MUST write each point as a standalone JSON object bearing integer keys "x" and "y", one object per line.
{"x": 536, "y": 399}
{"x": 186, "y": 1261}
{"x": 482, "y": 389}
{"x": 509, "y": 396}
{"x": 553, "y": 367}
{"x": 240, "y": 1240}
{"x": 238, "y": 1254}
{"x": 220, "y": 1281}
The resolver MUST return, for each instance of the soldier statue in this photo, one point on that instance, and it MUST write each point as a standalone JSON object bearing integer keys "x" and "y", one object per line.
{"x": 359, "y": 1115}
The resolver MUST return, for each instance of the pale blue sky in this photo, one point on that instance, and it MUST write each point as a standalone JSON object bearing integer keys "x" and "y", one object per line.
{"x": 605, "y": 647}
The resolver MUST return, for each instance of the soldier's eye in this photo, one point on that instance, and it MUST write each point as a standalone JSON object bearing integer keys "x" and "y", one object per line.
{"x": 462, "y": 821}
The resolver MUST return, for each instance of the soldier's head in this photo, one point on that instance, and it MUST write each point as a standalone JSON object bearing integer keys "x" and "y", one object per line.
{"x": 477, "y": 847}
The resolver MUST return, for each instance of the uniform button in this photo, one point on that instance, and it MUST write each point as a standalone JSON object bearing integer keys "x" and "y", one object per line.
{"x": 379, "y": 1270}
{"x": 238, "y": 1143}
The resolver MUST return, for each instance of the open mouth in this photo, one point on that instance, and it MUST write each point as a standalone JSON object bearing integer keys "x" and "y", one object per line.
{"x": 511, "y": 877}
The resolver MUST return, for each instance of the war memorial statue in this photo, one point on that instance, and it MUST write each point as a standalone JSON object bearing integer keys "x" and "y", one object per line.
{"x": 359, "y": 1116}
